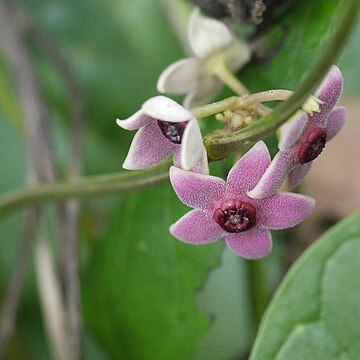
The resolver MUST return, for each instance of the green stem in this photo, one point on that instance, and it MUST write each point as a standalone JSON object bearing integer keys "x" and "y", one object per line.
{"x": 258, "y": 290}
{"x": 91, "y": 186}
{"x": 235, "y": 102}
{"x": 228, "y": 78}
{"x": 220, "y": 144}
{"x": 217, "y": 107}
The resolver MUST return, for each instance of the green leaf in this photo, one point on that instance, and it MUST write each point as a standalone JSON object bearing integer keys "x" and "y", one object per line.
{"x": 315, "y": 313}
{"x": 298, "y": 40}
{"x": 139, "y": 290}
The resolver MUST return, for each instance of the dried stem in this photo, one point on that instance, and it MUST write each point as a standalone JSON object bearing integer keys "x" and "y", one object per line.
{"x": 13, "y": 293}
{"x": 40, "y": 161}
{"x": 52, "y": 305}
{"x": 69, "y": 212}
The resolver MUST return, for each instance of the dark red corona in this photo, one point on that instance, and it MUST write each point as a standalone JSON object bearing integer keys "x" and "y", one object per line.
{"x": 235, "y": 216}
{"x": 312, "y": 147}
{"x": 172, "y": 131}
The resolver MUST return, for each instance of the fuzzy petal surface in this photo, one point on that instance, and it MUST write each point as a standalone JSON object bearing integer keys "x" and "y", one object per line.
{"x": 207, "y": 88}
{"x": 246, "y": 173}
{"x": 335, "y": 121}
{"x": 274, "y": 176}
{"x": 180, "y": 77}
{"x": 192, "y": 146}
{"x": 148, "y": 148}
{"x": 197, "y": 190}
{"x": 297, "y": 174}
{"x": 196, "y": 227}
{"x": 292, "y": 130}
{"x": 329, "y": 92}
{"x": 136, "y": 121}
{"x": 284, "y": 210}
{"x": 202, "y": 166}
{"x": 206, "y": 35}
{"x": 165, "y": 109}
{"x": 251, "y": 244}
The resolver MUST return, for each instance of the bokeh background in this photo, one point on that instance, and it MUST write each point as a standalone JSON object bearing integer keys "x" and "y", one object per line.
{"x": 138, "y": 283}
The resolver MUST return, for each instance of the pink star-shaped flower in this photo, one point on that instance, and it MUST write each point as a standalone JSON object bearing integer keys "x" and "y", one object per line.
{"x": 303, "y": 138}
{"x": 165, "y": 128}
{"x": 224, "y": 209}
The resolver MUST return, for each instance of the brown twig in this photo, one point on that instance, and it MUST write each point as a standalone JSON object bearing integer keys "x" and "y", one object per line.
{"x": 40, "y": 162}
{"x": 13, "y": 294}
{"x": 69, "y": 211}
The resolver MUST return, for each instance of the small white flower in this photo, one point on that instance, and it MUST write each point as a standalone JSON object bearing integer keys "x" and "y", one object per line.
{"x": 213, "y": 45}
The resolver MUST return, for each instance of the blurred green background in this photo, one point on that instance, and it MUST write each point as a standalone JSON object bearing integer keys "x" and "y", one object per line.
{"x": 138, "y": 283}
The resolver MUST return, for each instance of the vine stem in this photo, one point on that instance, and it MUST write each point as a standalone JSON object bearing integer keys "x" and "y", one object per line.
{"x": 83, "y": 187}
{"x": 236, "y": 102}
{"x": 257, "y": 289}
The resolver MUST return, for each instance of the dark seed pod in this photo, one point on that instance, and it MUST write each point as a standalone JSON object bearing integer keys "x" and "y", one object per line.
{"x": 251, "y": 11}
{"x": 216, "y": 8}
{"x": 244, "y": 11}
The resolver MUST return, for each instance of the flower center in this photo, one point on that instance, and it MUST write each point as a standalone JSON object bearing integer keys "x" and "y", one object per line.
{"x": 172, "y": 131}
{"x": 312, "y": 147}
{"x": 235, "y": 216}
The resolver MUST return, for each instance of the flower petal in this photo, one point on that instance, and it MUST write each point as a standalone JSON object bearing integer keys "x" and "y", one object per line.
{"x": 246, "y": 173}
{"x": 196, "y": 227}
{"x": 292, "y": 130}
{"x": 197, "y": 190}
{"x": 206, "y": 35}
{"x": 251, "y": 244}
{"x": 192, "y": 146}
{"x": 149, "y": 147}
{"x": 329, "y": 93}
{"x": 201, "y": 167}
{"x": 274, "y": 176}
{"x": 135, "y": 121}
{"x": 165, "y": 109}
{"x": 207, "y": 88}
{"x": 284, "y": 210}
{"x": 298, "y": 173}
{"x": 335, "y": 122}
{"x": 180, "y": 77}
{"x": 237, "y": 55}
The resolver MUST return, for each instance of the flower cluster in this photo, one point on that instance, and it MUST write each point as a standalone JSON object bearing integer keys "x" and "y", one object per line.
{"x": 304, "y": 137}
{"x": 248, "y": 204}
